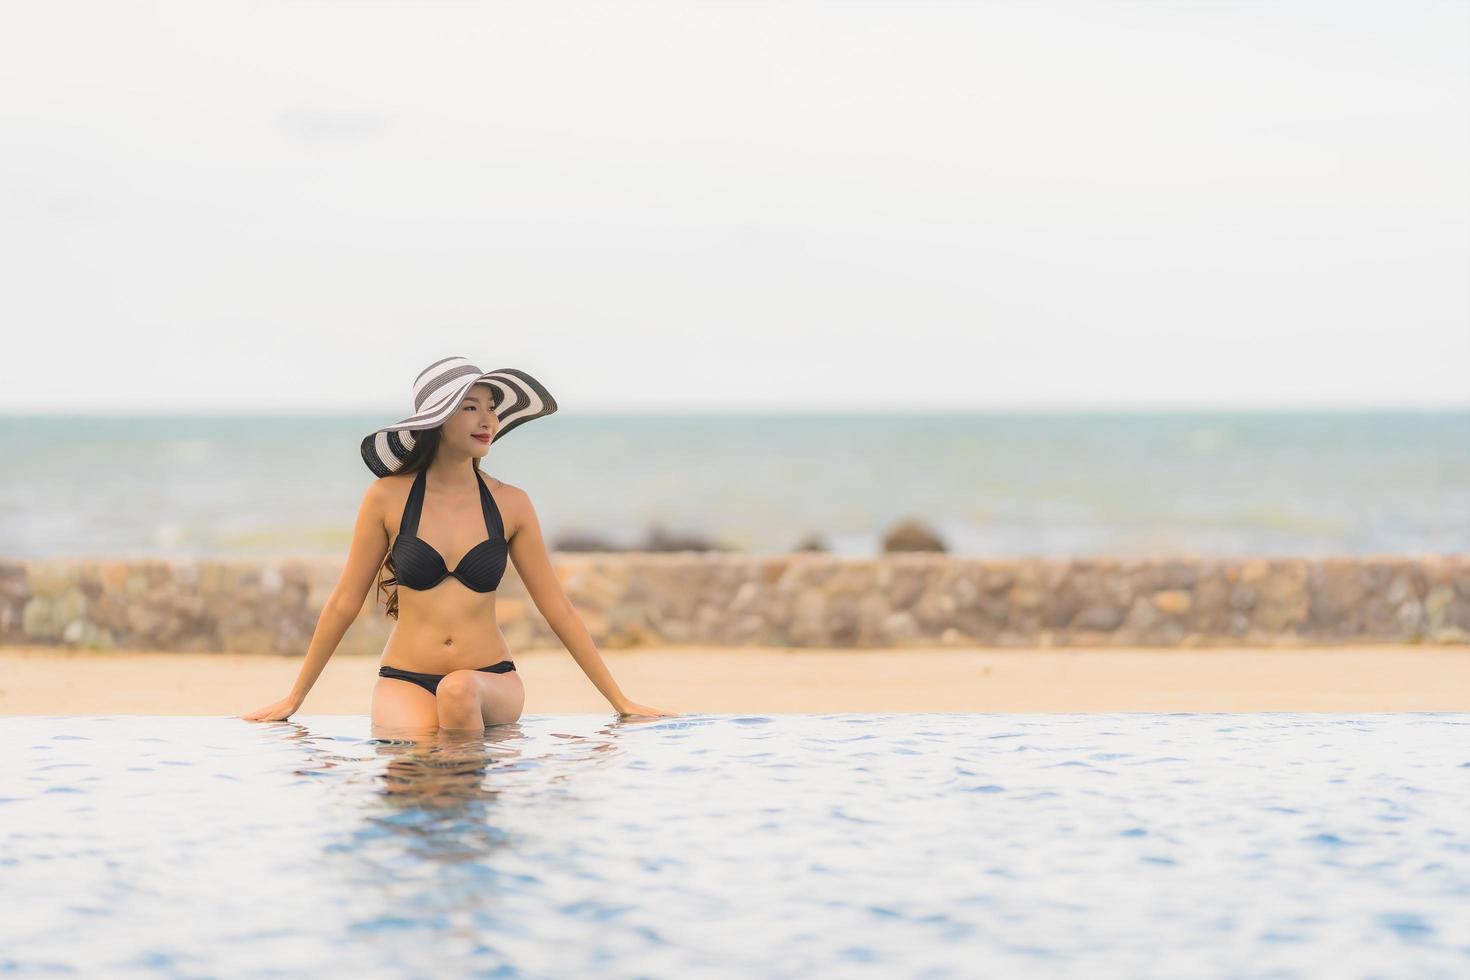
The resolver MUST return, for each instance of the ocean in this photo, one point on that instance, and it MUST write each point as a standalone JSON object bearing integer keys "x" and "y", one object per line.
{"x": 990, "y": 484}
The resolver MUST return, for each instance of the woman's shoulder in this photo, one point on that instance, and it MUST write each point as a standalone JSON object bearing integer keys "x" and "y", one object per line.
{"x": 500, "y": 488}
{"x": 391, "y": 484}
{"x": 388, "y": 491}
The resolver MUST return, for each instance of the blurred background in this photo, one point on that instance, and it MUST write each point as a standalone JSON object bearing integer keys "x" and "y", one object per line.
{"x": 1002, "y": 279}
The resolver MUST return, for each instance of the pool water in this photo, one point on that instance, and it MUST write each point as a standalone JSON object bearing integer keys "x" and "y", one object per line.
{"x": 842, "y": 845}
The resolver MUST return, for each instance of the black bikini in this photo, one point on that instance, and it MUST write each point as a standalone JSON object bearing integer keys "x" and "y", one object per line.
{"x": 430, "y": 682}
{"x": 419, "y": 566}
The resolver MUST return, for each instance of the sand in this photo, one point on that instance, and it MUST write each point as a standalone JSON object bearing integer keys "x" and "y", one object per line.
{"x": 44, "y": 680}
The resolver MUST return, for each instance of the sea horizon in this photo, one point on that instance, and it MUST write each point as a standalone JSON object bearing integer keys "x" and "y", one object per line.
{"x": 993, "y": 482}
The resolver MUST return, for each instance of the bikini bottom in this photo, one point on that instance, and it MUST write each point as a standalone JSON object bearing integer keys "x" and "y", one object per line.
{"x": 430, "y": 682}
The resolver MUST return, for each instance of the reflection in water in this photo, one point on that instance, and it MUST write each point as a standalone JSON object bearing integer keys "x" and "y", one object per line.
{"x": 435, "y": 793}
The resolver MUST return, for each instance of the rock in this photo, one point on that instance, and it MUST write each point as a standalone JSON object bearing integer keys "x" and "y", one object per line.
{"x": 842, "y": 620}
{"x": 1060, "y": 605}
{"x": 1253, "y": 570}
{"x": 582, "y": 541}
{"x": 1173, "y": 602}
{"x": 1209, "y": 601}
{"x": 773, "y": 569}
{"x": 1400, "y": 590}
{"x": 952, "y": 637}
{"x": 142, "y": 622}
{"x": 934, "y": 611}
{"x": 797, "y": 599}
{"x": 595, "y": 588}
{"x": 912, "y": 535}
{"x": 253, "y": 640}
{"x": 997, "y": 578}
{"x": 49, "y": 579}
{"x": 898, "y": 627}
{"x": 984, "y": 619}
{"x": 1027, "y": 596}
{"x": 36, "y": 620}
{"x": 1436, "y": 604}
{"x": 1097, "y": 616}
{"x": 137, "y": 584}
{"x": 903, "y": 580}
{"x": 671, "y": 631}
{"x": 1169, "y": 633}
{"x": 811, "y": 542}
{"x": 114, "y": 575}
{"x": 871, "y": 611}
{"x": 1142, "y": 617}
{"x": 810, "y": 604}
{"x": 658, "y": 538}
{"x": 1282, "y": 598}
{"x": 1337, "y": 589}
{"x": 745, "y": 597}
{"x": 965, "y": 592}
{"x": 1411, "y": 618}
{"x": 1177, "y": 573}
{"x": 747, "y": 629}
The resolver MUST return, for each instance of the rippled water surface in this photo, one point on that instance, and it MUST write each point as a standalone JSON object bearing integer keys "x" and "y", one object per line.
{"x": 914, "y": 845}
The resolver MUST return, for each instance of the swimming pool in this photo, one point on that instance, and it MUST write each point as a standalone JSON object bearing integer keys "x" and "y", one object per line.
{"x": 904, "y": 845}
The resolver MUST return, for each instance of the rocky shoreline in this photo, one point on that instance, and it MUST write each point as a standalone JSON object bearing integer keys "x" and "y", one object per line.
{"x": 792, "y": 600}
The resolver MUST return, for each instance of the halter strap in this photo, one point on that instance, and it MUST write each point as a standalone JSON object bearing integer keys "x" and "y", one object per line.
{"x": 413, "y": 508}
{"x": 493, "y": 522}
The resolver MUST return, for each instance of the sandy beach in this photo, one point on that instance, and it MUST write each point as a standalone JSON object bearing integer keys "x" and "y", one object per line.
{"x": 43, "y": 680}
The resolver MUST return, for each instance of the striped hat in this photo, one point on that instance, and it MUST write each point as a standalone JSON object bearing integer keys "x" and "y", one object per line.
{"x": 437, "y": 391}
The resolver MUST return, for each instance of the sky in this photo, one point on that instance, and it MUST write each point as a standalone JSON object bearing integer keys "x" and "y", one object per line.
{"x": 672, "y": 207}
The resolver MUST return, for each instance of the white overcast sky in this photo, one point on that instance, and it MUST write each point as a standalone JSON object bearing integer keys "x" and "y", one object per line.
{"x": 675, "y": 206}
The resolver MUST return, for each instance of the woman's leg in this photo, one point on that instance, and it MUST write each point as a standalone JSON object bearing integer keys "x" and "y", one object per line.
{"x": 402, "y": 706}
{"x": 472, "y": 700}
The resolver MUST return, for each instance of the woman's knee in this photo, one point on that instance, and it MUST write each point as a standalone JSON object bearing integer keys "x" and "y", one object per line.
{"x": 459, "y": 687}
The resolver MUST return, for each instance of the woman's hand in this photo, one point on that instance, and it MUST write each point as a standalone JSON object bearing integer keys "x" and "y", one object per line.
{"x": 279, "y": 711}
{"x": 633, "y": 708}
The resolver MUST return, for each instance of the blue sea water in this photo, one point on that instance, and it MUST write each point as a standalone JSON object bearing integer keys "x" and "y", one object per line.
{"x": 842, "y": 845}
{"x": 991, "y": 484}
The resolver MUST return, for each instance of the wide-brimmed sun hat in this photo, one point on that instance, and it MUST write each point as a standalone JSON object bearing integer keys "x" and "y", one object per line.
{"x": 437, "y": 391}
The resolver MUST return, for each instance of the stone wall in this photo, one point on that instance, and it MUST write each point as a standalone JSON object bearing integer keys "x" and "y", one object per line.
{"x": 801, "y": 599}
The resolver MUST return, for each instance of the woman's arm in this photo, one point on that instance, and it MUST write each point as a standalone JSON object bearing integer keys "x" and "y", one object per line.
{"x": 533, "y": 565}
{"x": 364, "y": 557}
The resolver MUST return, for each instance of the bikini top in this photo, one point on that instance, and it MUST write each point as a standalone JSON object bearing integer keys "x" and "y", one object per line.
{"x": 418, "y": 566}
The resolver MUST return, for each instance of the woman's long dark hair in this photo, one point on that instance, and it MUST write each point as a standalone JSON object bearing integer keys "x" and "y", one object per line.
{"x": 425, "y": 445}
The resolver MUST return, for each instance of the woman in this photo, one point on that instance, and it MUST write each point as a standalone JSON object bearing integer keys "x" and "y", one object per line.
{"x": 446, "y": 664}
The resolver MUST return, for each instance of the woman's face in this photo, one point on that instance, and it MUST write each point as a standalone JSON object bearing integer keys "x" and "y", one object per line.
{"x": 475, "y": 417}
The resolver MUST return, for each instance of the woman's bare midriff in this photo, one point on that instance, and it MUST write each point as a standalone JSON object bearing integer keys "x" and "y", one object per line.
{"x": 449, "y": 627}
